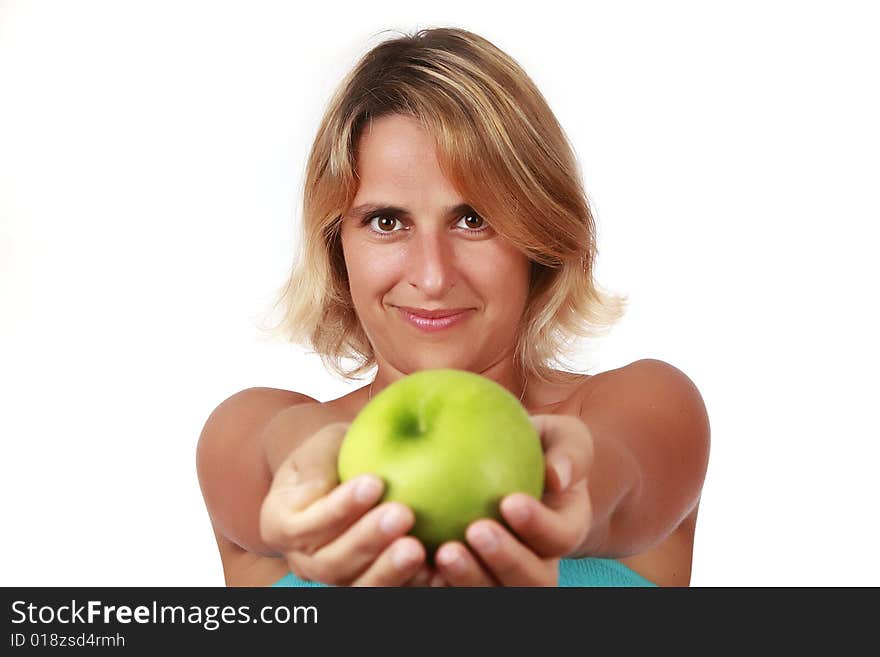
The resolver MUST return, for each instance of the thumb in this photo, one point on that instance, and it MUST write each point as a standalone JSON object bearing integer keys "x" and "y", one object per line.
{"x": 306, "y": 473}
{"x": 568, "y": 448}
{"x": 310, "y": 470}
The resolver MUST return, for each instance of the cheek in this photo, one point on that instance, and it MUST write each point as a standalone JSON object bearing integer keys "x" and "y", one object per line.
{"x": 369, "y": 273}
{"x": 504, "y": 274}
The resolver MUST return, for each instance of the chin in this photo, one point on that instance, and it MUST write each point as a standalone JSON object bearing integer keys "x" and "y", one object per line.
{"x": 438, "y": 361}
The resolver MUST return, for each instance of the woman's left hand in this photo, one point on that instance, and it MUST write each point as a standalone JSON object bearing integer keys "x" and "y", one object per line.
{"x": 543, "y": 531}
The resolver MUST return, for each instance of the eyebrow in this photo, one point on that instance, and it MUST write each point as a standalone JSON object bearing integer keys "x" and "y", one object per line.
{"x": 361, "y": 211}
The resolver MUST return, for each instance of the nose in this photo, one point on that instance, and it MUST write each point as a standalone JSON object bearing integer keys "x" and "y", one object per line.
{"x": 431, "y": 264}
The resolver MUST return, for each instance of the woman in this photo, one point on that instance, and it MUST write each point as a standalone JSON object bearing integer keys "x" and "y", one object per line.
{"x": 445, "y": 225}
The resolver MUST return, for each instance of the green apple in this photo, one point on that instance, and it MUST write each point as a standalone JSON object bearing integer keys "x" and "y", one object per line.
{"x": 449, "y": 444}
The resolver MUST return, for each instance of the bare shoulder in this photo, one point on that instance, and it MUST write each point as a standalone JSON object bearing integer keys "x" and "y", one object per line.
{"x": 241, "y": 440}
{"x": 232, "y": 470}
{"x": 658, "y": 412}
{"x": 651, "y": 393}
{"x": 252, "y": 404}
{"x": 643, "y": 374}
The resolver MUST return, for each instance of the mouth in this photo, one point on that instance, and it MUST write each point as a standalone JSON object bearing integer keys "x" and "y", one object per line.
{"x": 433, "y": 320}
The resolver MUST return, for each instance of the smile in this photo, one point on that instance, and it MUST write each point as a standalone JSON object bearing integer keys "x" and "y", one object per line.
{"x": 430, "y": 324}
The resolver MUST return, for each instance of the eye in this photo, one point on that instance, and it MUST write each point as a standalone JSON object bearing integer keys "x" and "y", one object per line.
{"x": 473, "y": 223}
{"x": 381, "y": 223}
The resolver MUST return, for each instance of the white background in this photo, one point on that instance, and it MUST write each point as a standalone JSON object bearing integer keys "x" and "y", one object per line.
{"x": 151, "y": 160}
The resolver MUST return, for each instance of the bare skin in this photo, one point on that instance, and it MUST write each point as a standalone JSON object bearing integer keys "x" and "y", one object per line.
{"x": 637, "y": 437}
{"x": 666, "y": 564}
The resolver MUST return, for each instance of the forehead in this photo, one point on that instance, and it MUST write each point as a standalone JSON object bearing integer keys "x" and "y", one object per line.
{"x": 395, "y": 152}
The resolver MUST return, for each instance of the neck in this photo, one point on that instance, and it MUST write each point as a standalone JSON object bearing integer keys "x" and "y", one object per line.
{"x": 503, "y": 372}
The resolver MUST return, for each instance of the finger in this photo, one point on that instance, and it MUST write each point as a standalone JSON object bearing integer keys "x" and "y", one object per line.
{"x": 554, "y": 529}
{"x": 458, "y": 566}
{"x": 325, "y": 518}
{"x": 568, "y": 449}
{"x": 422, "y": 577}
{"x": 397, "y": 564}
{"x": 508, "y": 560}
{"x": 351, "y": 553}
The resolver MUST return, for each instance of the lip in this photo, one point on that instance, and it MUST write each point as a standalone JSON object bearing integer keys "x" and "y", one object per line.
{"x": 433, "y": 320}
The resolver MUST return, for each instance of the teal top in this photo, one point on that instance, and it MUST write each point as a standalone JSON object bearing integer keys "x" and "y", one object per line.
{"x": 590, "y": 571}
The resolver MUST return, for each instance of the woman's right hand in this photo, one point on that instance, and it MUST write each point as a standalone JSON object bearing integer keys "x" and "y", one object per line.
{"x": 332, "y": 533}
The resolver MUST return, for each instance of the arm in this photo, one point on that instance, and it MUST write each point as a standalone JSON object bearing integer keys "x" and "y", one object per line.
{"x": 232, "y": 467}
{"x": 621, "y": 476}
{"x": 651, "y": 440}
{"x": 257, "y": 448}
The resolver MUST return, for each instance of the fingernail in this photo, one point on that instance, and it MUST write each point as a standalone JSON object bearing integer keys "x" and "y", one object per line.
{"x": 518, "y": 511}
{"x": 366, "y": 489}
{"x": 562, "y": 466}
{"x": 484, "y": 539}
{"x": 393, "y": 520}
{"x": 451, "y": 561}
{"x": 404, "y": 556}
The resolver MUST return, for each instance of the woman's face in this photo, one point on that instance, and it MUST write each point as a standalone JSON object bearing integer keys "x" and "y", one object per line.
{"x": 426, "y": 251}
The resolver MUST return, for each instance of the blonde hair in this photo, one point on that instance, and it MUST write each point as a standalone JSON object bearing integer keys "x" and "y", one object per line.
{"x": 501, "y": 147}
